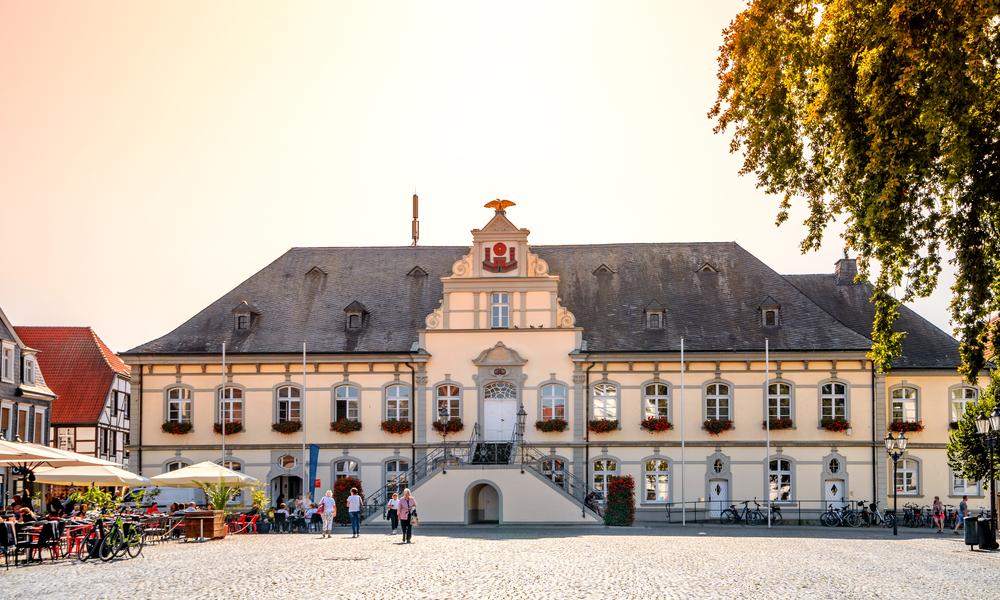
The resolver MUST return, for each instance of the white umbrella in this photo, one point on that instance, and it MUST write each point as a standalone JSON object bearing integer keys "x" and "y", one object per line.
{"x": 29, "y": 456}
{"x": 207, "y": 473}
{"x": 89, "y": 475}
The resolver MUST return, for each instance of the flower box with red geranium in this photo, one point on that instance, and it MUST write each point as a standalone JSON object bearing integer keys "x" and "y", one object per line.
{"x": 177, "y": 428}
{"x": 552, "y": 425}
{"x": 602, "y": 425}
{"x": 397, "y": 426}
{"x": 906, "y": 426}
{"x": 836, "y": 425}
{"x": 345, "y": 425}
{"x": 655, "y": 424}
{"x": 231, "y": 427}
{"x": 777, "y": 424}
{"x": 717, "y": 426}
{"x": 287, "y": 426}
{"x": 453, "y": 425}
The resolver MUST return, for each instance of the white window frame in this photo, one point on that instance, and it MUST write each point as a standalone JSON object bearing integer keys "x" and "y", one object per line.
{"x": 66, "y": 438}
{"x": 553, "y": 398}
{"x": 604, "y": 401}
{"x": 776, "y": 475}
{"x": 961, "y": 486}
{"x": 499, "y": 310}
{"x": 779, "y": 400}
{"x": 350, "y": 397}
{"x": 230, "y": 402}
{"x": 451, "y": 399}
{"x": 7, "y": 409}
{"x": 179, "y": 405}
{"x": 773, "y": 312}
{"x": 713, "y": 401}
{"x": 174, "y": 465}
{"x": 835, "y": 398}
{"x": 656, "y": 480}
{"x": 609, "y": 467}
{"x": 29, "y": 370}
{"x": 346, "y": 467}
{"x": 907, "y": 473}
{"x": 397, "y": 402}
{"x": 656, "y": 400}
{"x": 22, "y": 431}
{"x": 7, "y": 357}
{"x": 961, "y": 396}
{"x": 289, "y": 402}
{"x": 904, "y": 404}
{"x": 37, "y": 436}
{"x": 401, "y": 467}
{"x": 554, "y": 469}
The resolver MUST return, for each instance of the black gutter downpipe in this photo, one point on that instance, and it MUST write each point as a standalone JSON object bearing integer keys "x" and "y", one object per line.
{"x": 138, "y": 404}
{"x": 413, "y": 409}
{"x": 586, "y": 437}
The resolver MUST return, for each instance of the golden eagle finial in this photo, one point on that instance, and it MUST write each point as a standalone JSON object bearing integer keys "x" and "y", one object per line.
{"x": 498, "y": 204}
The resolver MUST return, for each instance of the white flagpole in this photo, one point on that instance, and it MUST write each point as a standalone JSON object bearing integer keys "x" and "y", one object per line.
{"x": 767, "y": 424}
{"x": 302, "y": 419}
{"x": 222, "y": 405}
{"x": 683, "y": 497}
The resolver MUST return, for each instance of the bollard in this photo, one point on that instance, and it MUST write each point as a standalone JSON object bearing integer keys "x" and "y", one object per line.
{"x": 971, "y": 525}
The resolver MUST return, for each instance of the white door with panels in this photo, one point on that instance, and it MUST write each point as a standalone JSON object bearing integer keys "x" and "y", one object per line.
{"x": 718, "y": 497}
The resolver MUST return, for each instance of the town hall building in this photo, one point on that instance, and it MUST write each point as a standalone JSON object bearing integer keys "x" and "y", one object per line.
{"x": 505, "y": 382}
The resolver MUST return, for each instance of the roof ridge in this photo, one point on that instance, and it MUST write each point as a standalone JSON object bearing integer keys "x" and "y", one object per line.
{"x": 106, "y": 352}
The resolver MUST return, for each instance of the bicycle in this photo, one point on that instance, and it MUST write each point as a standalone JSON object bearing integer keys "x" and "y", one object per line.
{"x": 844, "y": 516}
{"x": 732, "y": 516}
{"x": 125, "y": 537}
{"x": 91, "y": 544}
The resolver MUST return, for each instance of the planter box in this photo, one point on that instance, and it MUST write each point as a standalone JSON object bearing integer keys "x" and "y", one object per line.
{"x": 211, "y": 522}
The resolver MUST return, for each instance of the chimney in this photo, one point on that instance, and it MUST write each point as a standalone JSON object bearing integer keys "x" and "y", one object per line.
{"x": 845, "y": 270}
{"x": 415, "y": 233}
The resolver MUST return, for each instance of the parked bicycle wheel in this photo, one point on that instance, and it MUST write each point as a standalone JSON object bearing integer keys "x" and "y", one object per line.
{"x": 110, "y": 545}
{"x": 756, "y": 517}
{"x": 889, "y": 520}
{"x": 829, "y": 519}
{"x": 89, "y": 546}
{"x": 852, "y": 519}
{"x": 728, "y": 517}
{"x": 134, "y": 541}
{"x": 776, "y": 517}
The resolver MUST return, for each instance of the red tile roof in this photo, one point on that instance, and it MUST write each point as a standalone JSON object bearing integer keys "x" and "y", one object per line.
{"x": 77, "y": 366}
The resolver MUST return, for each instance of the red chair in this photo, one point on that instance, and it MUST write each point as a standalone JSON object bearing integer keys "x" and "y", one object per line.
{"x": 253, "y": 523}
{"x": 237, "y": 526}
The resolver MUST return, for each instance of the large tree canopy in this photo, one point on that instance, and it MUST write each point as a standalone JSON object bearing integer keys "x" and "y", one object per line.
{"x": 885, "y": 114}
{"x": 968, "y": 454}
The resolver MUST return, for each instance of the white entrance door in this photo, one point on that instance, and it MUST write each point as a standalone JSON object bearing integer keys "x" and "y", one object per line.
{"x": 718, "y": 497}
{"x": 499, "y": 411}
{"x": 833, "y": 491}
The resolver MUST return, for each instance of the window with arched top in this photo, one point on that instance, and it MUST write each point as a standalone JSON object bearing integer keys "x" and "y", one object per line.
{"x": 656, "y": 475}
{"x": 396, "y": 476}
{"x": 231, "y": 405}
{"x": 449, "y": 401}
{"x": 553, "y": 396}
{"x": 779, "y": 401}
{"x": 554, "y": 469}
{"x": 604, "y": 403}
{"x": 604, "y": 469}
{"x": 961, "y": 397}
{"x": 718, "y": 402}
{"x": 907, "y": 478}
{"x": 833, "y": 400}
{"x": 656, "y": 401}
{"x": 345, "y": 468}
{"x": 289, "y": 399}
{"x": 346, "y": 402}
{"x": 779, "y": 475}
{"x": 397, "y": 402}
{"x": 173, "y": 466}
{"x": 903, "y": 404}
{"x": 179, "y": 405}
{"x": 232, "y": 465}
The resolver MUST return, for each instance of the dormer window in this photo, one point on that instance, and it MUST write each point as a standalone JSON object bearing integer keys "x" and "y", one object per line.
{"x": 29, "y": 370}
{"x": 356, "y": 314}
{"x": 243, "y": 321}
{"x": 654, "y": 315}
{"x": 244, "y": 315}
{"x": 771, "y": 317}
{"x": 770, "y": 313}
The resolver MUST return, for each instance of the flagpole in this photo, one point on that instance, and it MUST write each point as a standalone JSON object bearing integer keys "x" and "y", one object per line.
{"x": 683, "y": 445}
{"x": 767, "y": 422}
{"x": 222, "y": 406}
{"x": 302, "y": 419}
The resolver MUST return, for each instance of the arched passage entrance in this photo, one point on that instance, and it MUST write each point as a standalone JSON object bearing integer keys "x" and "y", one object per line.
{"x": 483, "y": 503}
{"x": 289, "y": 486}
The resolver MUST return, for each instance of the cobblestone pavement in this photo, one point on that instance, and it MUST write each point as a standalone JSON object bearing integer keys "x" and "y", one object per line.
{"x": 489, "y": 562}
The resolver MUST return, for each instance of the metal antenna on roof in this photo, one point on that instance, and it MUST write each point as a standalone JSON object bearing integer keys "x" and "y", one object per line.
{"x": 415, "y": 233}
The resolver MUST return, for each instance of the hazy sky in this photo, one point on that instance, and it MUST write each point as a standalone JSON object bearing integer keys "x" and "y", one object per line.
{"x": 155, "y": 154}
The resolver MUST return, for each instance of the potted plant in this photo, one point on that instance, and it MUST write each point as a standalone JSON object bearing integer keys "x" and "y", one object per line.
{"x": 396, "y": 426}
{"x": 837, "y": 424}
{"x": 602, "y": 425}
{"x": 717, "y": 426}
{"x": 552, "y": 425}
{"x": 906, "y": 426}
{"x": 453, "y": 425}
{"x": 287, "y": 426}
{"x": 218, "y": 496}
{"x": 261, "y": 502}
{"x": 656, "y": 424}
{"x": 231, "y": 427}
{"x": 177, "y": 427}
{"x": 782, "y": 423}
{"x": 345, "y": 425}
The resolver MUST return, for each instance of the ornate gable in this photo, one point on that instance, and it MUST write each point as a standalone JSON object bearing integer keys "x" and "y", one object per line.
{"x": 499, "y": 356}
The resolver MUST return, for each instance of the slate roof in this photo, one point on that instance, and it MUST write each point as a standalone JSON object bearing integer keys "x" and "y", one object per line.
{"x": 78, "y": 367}
{"x": 924, "y": 347}
{"x": 712, "y": 311}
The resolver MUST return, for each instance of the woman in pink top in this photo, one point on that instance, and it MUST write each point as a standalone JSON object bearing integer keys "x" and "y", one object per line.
{"x": 407, "y": 510}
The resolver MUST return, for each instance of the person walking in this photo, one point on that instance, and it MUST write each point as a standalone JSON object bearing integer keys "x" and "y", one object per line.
{"x": 392, "y": 513}
{"x": 328, "y": 511}
{"x": 963, "y": 511}
{"x": 938, "y": 511}
{"x": 354, "y": 512}
{"x": 407, "y": 509}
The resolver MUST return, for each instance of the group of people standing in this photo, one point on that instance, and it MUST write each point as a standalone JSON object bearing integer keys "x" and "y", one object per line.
{"x": 401, "y": 513}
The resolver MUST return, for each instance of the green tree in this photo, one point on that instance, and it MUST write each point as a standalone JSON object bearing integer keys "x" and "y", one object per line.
{"x": 882, "y": 113}
{"x": 968, "y": 454}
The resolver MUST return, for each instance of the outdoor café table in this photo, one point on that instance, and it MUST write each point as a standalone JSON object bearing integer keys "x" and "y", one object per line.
{"x": 74, "y": 535}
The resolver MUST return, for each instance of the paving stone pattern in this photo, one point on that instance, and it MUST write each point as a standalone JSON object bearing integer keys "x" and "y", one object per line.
{"x": 575, "y": 563}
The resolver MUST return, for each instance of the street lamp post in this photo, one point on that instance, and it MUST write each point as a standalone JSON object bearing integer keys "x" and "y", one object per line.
{"x": 988, "y": 426}
{"x": 895, "y": 446}
{"x": 519, "y": 432}
{"x": 443, "y": 418}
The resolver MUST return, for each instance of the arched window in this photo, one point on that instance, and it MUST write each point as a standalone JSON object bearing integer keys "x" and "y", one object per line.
{"x": 718, "y": 402}
{"x": 603, "y": 469}
{"x": 656, "y": 401}
{"x": 287, "y": 461}
{"x": 233, "y": 465}
{"x": 657, "y": 477}
{"x": 449, "y": 401}
{"x": 231, "y": 405}
{"x": 908, "y": 477}
{"x": 904, "y": 405}
{"x": 179, "y": 405}
{"x": 345, "y": 468}
{"x": 174, "y": 465}
{"x": 553, "y": 401}
{"x": 396, "y": 479}
{"x": 961, "y": 486}
{"x": 397, "y": 403}
{"x": 346, "y": 402}
{"x": 833, "y": 401}
{"x": 961, "y": 397}
{"x": 779, "y": 401}
{"x": 555, "y": 470}
{"x": 289, "y": 404}
{"x": 779, "y": 474}
{"x": 605, "y": 401}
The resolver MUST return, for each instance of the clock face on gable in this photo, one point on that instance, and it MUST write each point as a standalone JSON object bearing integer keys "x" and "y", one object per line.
{"x": 500, "y": 258}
